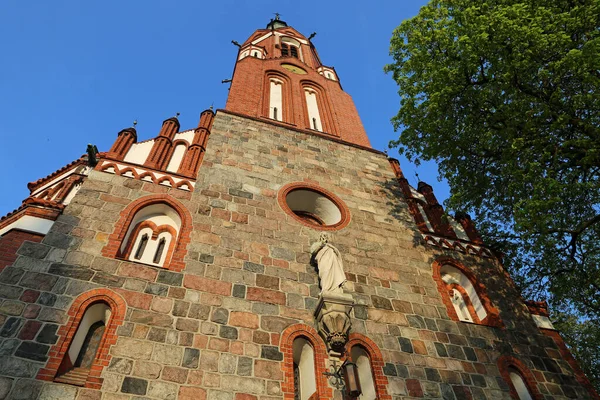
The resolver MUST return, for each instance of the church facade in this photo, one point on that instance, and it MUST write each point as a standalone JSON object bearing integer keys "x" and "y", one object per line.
{"x": 268, "y": 253}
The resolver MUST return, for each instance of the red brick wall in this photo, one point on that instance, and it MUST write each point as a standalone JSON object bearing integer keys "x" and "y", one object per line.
{"x": 10, "y": 243}
{"x": 249, "y": 94}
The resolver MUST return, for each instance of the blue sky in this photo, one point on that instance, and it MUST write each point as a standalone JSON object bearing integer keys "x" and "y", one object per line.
{"x": 77, "y": 72}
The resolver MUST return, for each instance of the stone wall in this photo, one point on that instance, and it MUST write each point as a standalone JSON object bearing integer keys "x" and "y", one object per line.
{"x": 213, "y": 331}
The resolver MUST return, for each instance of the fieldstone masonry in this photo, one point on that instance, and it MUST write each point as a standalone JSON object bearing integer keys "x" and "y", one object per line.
{"x": 218, "y": 321}
{"x": 212, "y": 331}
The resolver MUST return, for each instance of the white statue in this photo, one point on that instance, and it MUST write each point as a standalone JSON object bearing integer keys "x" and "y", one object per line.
{"x": 329, "y": 262}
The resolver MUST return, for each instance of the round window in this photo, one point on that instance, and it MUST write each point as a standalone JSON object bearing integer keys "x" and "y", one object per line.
{"x": 314, "y": 206}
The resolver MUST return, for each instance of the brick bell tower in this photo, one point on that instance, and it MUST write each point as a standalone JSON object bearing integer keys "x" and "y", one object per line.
{"x": 279, "y": 76}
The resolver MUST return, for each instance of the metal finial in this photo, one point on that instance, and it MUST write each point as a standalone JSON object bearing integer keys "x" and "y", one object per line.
{"x": 417, "y": 176}
{"x": 134, "y": 123}
{"x": 177, "y": 115}
{"x": 277, "y": 15}
{"x": 211, "y": 106}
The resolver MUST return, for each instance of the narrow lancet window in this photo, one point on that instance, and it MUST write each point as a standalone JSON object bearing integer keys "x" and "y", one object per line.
{"x": 141, "y": 247}
{"x": 275, "y": 113}
{"x": 159, "y": 250}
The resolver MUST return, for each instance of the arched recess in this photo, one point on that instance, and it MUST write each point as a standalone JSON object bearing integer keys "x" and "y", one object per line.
{"x": 177, "y": 155}
{"x": 88, "y": 309}
{"x": 521, "y": 382}
{"x": 276, "y": 82}
{"x": 327, "y": 124}
{"x": 119, "y": 242}
{"x": 303, "y": 335}
{"x": 376, "y": 383}
{"x": 462, "y": 292}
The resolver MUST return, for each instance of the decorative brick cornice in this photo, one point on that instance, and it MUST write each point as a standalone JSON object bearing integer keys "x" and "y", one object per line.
{"x": 506, "y": 362}
{"x": 58, "y": 352}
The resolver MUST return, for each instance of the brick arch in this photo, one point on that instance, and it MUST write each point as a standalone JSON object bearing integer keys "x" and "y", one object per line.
{"x": 325, "y": 108}
{"x": 493, "y": 315}
{"x": 128, "y": 169}
{"x": 80, "y": 305}
{"x": 286, "y": 345}
{"x": 287, "y": 115}
{"x": 176, "y": 262}
{"x": 505, "y": 362}
{"x": 376, "y": 358}
{"x": 156, "y": 230}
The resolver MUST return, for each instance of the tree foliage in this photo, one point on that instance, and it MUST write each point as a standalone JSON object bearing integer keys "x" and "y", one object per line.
{"x": 503, "y": 95}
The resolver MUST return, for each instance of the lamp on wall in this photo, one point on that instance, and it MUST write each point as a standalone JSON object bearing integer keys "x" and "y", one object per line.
{"x": 345, "y": 379}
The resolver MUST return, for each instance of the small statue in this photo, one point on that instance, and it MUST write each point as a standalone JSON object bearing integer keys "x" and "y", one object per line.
{"x": 329, "y": 262}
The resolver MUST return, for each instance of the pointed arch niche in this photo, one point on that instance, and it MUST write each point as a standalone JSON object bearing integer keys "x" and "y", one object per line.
{"x": 304, "y": 356}
{"x": 82, "y": 350}
{"x": 465, "y": 297}
{"x": 317, "y": 114}
{"x": 152, "y": 230}
{"x": 518, "y": 377}
{"x": 277, "y": 99}
{"x": 369, "y": 362}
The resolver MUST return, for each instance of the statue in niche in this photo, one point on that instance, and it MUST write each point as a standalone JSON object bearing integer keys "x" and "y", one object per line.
{"x": 329, "y": 263}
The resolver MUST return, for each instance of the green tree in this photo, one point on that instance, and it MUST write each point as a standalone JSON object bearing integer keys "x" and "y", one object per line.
{"x": 503, "y": 95}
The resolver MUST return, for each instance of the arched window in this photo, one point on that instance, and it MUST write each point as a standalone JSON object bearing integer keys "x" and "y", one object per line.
{"x": 153, "y": 230}
{"x": 369, "y": 363}
{"x": 365, "y": 372}
{"x": 76, "y": 364}
{"x": 520, "y": 380}
{"x": 304, "y": 357}
{"x": 465, "y": 297}
{"x": 313, "y": 109}
{"x": 83, "y": 346}
{"x": 290, "y": 47}
{"x": 275, "y": 98}
{"x": 177, "y": 156}
{"x": 305, "y": 382}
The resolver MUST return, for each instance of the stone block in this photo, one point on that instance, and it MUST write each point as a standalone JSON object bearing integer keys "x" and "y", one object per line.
{"x": 167, "y": 354}
{"x": 5, "y": 386}
{"x": 244, "y": 319}
{"x": 148, "y": 370}
{"x": 268, "y": 370}
{"x": 265, "y": 296}
{"x": 191, "y": 393}
{"x": 163, "y": 390}
{"x": 228, "y": 332}
{"x": 191, "y": 358}
{"x": 132, "y": 348}
{"x": 121, "y": 366}
{"x": 71, "y": 271}
{"x": 271, "y": 353}
{"x": 26, "y": 389}
{"x": 58, "y": 392}
{"x": 11, "y": 326}
{"x": 243, "y": 384}
{"x": 152, "y": 318}
{"x": 36, "y": 280}
{"x": 220, "y": 316}
{"x": 134, "y": 386}
{"x": 227, "y": 363}
{"x": 174, "y": 374}
{"x": 199, "y": 311}
{"x": 244, "y": 366}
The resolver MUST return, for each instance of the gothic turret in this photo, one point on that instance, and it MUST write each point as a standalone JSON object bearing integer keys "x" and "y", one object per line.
{"x": 279, "y": 77}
